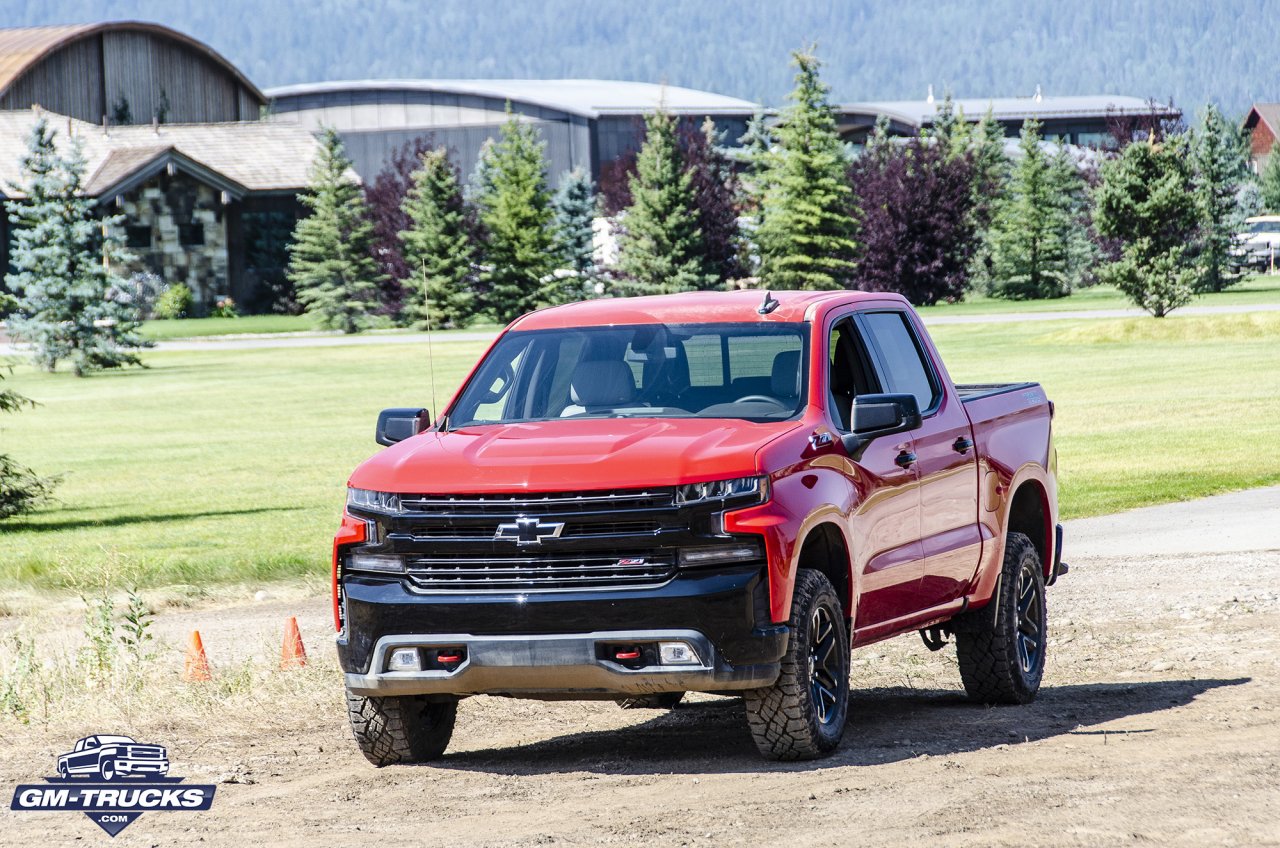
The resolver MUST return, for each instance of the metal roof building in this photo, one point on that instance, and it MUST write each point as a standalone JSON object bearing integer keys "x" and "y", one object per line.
{"x": 1081, "y": 120}
{"x": 586, "y": 123}
{"x": 122, "y": 72}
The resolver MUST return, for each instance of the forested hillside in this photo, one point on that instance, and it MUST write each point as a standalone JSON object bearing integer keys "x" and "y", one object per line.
{"x": 1189, "y": 50}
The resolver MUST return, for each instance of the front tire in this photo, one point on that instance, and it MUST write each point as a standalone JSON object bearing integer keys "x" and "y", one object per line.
{"x": 802, "y": 715}
{"x": 403, "y": 729}
{"x": 1002, "y": 660}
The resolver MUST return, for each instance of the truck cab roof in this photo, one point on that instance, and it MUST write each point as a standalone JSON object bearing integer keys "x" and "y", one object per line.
{"x": 693, "y": 307}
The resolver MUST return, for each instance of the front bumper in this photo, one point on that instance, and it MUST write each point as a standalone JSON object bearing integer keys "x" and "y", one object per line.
{"x": 548, "y": 644}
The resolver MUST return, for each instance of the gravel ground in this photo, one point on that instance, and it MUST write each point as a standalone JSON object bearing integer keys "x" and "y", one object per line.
{"x": 1158, "y": 724}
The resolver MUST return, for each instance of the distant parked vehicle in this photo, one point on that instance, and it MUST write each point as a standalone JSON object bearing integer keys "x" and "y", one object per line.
{"x": 1259, "y": 244}
{"x": 109, "y": 757}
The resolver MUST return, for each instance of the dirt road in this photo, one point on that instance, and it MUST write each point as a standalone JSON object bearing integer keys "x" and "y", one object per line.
{"x": 1159, "y": 724}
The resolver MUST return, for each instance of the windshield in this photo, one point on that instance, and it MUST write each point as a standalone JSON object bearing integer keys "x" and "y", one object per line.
{"x": 1265, "y": 227}
{"x": 751, "y": 371}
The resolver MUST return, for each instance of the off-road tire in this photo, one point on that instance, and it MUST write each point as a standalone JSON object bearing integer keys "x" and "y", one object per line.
{"x": 658, "y": 701}
{"x": 403, "y": 729}
{"x": 996, "y": 664}
{"x": 787, "y": 720}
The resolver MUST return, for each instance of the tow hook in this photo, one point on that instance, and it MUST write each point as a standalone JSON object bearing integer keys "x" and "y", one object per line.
{"x": 934, "y": 638}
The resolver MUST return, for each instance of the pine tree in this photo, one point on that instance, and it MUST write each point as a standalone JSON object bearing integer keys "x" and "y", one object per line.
{"x": 661, "y": 247}
{"x": 575, "y": 212}
{"x": 715, "y": 195}
{"x": 1146, "y": 203}
{"x": 384, "y": 198}
{"x": 65, "y": 262}
{"x": 331, "y": 266}
{"x": 806, "y": 239}
{"x": 1221, "y": 168}
{"x": 21, "y": 490}
{"x": 514, "y": 208}
{"x": 1032, "y": 232}
{"x": 437, "y": 246}
{"x": 990, "y": 174}
{"x": 1269, "y": 181}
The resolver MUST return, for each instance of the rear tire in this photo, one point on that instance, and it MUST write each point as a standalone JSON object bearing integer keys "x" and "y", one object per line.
{"x": 1002, "y": 660}
{"x": 659, "y": 701}
{"x": 802, "y": 715}
{"x": 403, "y": 729}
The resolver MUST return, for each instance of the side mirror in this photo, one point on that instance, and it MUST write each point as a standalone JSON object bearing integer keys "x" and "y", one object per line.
{"x": 399, "y": 423}
{"x": 880, "y": 415}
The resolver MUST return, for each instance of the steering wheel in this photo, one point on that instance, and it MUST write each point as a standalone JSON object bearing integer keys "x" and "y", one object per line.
{"x": 760, "y": 399}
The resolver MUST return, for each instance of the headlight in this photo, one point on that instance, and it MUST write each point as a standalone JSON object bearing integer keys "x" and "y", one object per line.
{"x": 748, "y": 489}
{"x": 376, "y": 501}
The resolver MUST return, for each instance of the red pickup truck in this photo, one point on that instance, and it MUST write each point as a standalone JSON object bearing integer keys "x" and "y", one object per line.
{"x": 722, "y": 492}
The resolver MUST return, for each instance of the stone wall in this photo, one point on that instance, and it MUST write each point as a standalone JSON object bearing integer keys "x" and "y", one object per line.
{"x": 165, "y": 205}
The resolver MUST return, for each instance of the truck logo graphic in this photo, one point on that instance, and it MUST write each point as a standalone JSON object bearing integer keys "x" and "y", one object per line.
{"x": 113, "y": 779}
{"x": 109, "y": 757}
{"x": 529, "y": 531}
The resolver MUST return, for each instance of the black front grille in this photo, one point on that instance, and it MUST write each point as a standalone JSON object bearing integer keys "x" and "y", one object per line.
{"x": 538, "y": 503}
{"x": 544, "y": 571}
{"x": 609, "y": 539}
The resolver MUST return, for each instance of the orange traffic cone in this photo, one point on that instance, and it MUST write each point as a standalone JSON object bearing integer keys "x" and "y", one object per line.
{"x": 195, "y": 668}
{"x": 292, "y": 654}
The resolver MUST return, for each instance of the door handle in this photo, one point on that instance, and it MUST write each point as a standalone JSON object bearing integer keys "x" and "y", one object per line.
{"x": 962, "y": 445}
{"x": 905, "y": 459}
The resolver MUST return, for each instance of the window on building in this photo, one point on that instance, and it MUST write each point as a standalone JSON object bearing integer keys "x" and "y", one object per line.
{"x": 137, "y": 236}
{"x": 191, "y": 235}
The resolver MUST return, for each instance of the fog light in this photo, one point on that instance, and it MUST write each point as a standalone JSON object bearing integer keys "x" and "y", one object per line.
{"x": 404, "y": 659}
{"x": 678, "y": 653}
{"x": 383, "y": 563}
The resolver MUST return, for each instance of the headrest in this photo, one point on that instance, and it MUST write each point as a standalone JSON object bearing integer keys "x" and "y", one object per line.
{"x": 602, "y": 383}
{"x": 785, "y": 382}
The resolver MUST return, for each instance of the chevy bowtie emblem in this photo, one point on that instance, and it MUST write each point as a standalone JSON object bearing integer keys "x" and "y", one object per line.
{"x": 529, "y": 531}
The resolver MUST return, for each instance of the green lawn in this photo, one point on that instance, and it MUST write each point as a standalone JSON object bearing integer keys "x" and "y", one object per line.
{"x": 1250, "y": 292}
{"x": 197, "y": 327}
{"x": 230, "y": 465}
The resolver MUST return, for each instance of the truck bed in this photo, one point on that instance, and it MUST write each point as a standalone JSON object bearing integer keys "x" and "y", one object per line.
{"x": 973, "y": 391}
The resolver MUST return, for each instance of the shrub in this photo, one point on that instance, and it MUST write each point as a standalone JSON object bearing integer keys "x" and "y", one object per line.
{"x": 175, "y": 302}
{"x": 225, "y": 307}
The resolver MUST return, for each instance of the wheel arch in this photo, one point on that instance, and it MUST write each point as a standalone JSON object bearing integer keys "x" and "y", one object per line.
{"x": 1031, "y": 514}
{"x": 824, "y": 548}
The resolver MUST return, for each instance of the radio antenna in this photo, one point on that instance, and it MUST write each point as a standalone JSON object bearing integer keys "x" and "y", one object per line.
{"x": 431, "y": 352}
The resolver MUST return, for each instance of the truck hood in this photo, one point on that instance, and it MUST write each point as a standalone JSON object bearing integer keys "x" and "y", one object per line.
{"x": 568, "y": 456}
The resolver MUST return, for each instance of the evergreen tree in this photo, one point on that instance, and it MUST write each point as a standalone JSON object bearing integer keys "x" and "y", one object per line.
{"x": 514, "y": 208}
{"x": 21, "y": 490}
{"x": 575, "y": 208}
{"x": 331, "y": 264}
{"x": 1269, "y": 182}
{"x": 1146, "y": 203}
{"x": 1071, "y": 187}
{"x": 65, "y": 262}
{"x": 806, "y": 239}
{"x": 990, "y": 174}
{"x": 661, "y": 247}
{"x": 385, "y": 199}
{"x": 437, "y": 245}
{"x": 715, "y": 194}
{"x": 1032, "y": 231}
{"x": 1221, "y": 168}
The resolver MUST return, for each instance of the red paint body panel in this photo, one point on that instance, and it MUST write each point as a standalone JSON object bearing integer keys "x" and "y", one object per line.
{"x": 922, "y": 542}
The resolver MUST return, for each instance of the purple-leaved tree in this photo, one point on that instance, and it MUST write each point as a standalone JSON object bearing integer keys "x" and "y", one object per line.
{"x": 384, "y": 198}
{"x": 916, "y": 228}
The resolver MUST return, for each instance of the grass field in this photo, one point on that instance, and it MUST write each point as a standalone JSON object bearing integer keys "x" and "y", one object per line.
{"x": 1250, "y": 292}
{"x": 230, "y": 465}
